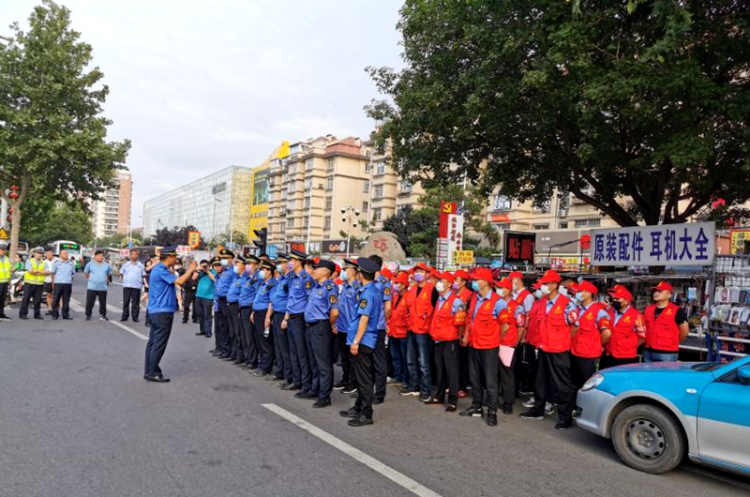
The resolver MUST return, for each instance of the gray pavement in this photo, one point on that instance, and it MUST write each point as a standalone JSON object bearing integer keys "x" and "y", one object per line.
{"x": 77, "y": 419}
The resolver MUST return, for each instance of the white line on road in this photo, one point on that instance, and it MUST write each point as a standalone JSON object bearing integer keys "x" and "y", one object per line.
{"x": 77, "y": 306}
{"x": 354, "y": 453}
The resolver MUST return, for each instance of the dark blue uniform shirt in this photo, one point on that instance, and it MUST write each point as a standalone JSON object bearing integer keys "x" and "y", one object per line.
{"x": 385, "y": 290}
{"x": 248, "y": 290}
{"x": 369, "y": 303}
{"x": 263, "y": 295}
{"x": 280, "y": 294}
{"x": 323, "y": 298}
{"x": 224, "y": 281}
{"x": 162, "y": 296}
{"x": 347, "y": 306}
{"x": 299, "y": 287}
{"x": 233, "y": 295}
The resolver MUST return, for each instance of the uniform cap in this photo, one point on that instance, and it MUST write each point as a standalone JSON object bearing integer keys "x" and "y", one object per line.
{"x": 171, "y": 250}
{"x": 326, "y": 264}
{"x": 367, "y": 265}
{"x": 350, "y": 263}
{"x": 482, "y": 274}
{"x": 550, "y": 276}
{"x": 299, "y": 255}
{"x": 3, "y": 245}
{"x": 662, "y": 286}
{"x": 620, "y": 292}
{"x": 239, "y": 258}
{"x": 515, "y": 274}
{"x": 585, "y": 286}
{"x": 282, "y": 257}
{"x": 226, "y": 254}
{"x": 216, "y": 260}
{"x": 505, "y": 283}
{"x": 462, "y": 274}
{"x": 264, "y": 264}
{"x": 253, "y": 259}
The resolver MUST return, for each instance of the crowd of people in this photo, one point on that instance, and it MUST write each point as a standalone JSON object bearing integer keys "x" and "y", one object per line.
{"x": 436, "y": 335}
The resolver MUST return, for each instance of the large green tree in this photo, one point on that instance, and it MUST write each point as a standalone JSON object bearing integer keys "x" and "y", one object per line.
{"x": 61, "y": 221}
{"x": 53, "y": 136}
{"x": 643, "y": 100}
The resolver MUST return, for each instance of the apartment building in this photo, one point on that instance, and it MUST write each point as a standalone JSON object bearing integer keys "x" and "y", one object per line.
{"x": 112, "y": 213}
{"x": 308, "y": 188}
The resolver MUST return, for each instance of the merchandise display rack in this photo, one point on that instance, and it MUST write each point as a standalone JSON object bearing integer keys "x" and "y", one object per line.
{"x": 729, "y": 307}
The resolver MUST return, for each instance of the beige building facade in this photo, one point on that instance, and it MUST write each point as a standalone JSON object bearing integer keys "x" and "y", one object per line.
{"x": 112, "y": 213}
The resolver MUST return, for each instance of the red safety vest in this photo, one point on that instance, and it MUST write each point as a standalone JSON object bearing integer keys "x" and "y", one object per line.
{"x": 398, "y": 325}
{"x": 662, "y": 333}
{"x": 522, "y": 296}
{"x": 420, "y": 309}
{"x": 555, "y": 331}
{"x": 508, "y": 316}
{"x": 484, "y": 329}
{"x": 587, "y": 341}
{"x": 534, "y": 323}
{"x": 623, "y": 344}
{"x": 465, "y": 295}
{"x": 444, "y": 324}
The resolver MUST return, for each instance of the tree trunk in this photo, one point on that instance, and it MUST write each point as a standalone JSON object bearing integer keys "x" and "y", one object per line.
{"x": 15, "y": 228}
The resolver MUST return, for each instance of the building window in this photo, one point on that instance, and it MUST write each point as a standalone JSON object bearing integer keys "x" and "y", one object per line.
{"x": 329, "y": 203}
{"x": 307, "y": 202}
{"x": 563, "y": 202}
{"x": 293, "y": 168}
{"x": 501, "y": 203}
{"x": 563, "y": 225}
{"x": 367, "y": 186}
{"x": 309, "y": 164}
{"x": 292, "y": 187}
{"x": 270, "y": 196}
{"x": 582, "y": 223}
{"x": 368, "y": 168}
{"x": 308, "y": 184}
{"x": 365, "y": 206}
{"x": 290, "y": 222}
{"x": 329, "y": 184}
{"x": 377, "y": 214}
{"x": 305, "y": 221}
{"x": 291, "y": 205}
{"x": 284, "y": 178}
{"x": 327, "y": 222}
{"x": 331, "y": 164}
{"x": 379, "y": 191}
{"x": 405, "y": 186}
{"x": 282, "y": 227}
{"x": 381, "y": 168}
{"x": 540, "y": 226}
{"x": 283, "y": 195}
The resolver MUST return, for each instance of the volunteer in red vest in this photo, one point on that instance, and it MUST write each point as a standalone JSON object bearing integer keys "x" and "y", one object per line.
{"x": 419, "y": 300}
{"x": 511, "y": 319}
{"x": 523, "y": 362}
{"x": 553, "y": 370}
{"x": 398, "y": 329}
{"x": 520, "y": 294}
{"x": 461, "y": 286}
{"x": 448, "y": 322}
{"x": 628, "y": 330}
{"x": 666, "y": 326}
{"x": 532, "y": 339}
{"x": 590, "y": 333}
{"x": 484, "y": 338}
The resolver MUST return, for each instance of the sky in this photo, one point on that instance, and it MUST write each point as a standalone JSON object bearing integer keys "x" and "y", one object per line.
{"x": 201, "y": 85}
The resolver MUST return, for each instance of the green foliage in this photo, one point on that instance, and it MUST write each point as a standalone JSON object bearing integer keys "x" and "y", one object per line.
{"x": 57, "y": 221}
{"x": 52, "y": 131}
{"x": 648, "y": 101}
{"x": 179, "y": 236}
{"x": 239, "y": 238}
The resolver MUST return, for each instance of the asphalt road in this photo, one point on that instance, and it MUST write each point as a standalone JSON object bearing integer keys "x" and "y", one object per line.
{"x": 77, "y": 419}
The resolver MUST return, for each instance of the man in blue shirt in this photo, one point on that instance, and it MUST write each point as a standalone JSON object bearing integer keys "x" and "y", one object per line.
{"x": 321, "y": 313}
{"x": 62, "y": 284}
{"x": 204, "y": 295}
{"x": 380, "y": 359}
{"x": 347, "y": 314}
{"x": 284, "y": 369}
{"x": 236, "y": 351}
{"x": 223, "y": 283}
{"x": 362, "y": 338}
{"x": 98, "y": 273}
{"x": 248, "y": 290}
{"x": 265, "y": 283}
{"x": 300, "y": 284}
{"x": 131, "y": 274}
{"x": 162, "y": 304}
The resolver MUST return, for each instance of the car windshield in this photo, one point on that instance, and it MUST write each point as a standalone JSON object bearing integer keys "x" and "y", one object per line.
{"x": 707, "y": 366}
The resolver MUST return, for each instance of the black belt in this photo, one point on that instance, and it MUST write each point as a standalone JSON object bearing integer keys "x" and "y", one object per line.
{"x": 245, "y": 307}
{"x": 317, "y": 322}
{"x": 233, "y": 303}
{"x": 299, "y": 314}
{"x": 222, "y": 300}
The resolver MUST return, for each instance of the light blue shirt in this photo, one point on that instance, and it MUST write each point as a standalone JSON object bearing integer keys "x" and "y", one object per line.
{"x": 132, "y": 274}
{"x": 500, "y": 305}
{"x": 64, "y": 271}
{"x": 98, "y": 272}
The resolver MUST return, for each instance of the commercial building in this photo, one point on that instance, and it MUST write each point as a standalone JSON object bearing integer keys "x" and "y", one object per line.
{"x": 111, "y": 214}
{"x": 259, "y": 195}
{"x": 215, "y": 204}
{"x": 309, "y": 188}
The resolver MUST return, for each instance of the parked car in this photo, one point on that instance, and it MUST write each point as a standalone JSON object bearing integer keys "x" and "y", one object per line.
{"x": 656, "y": 413}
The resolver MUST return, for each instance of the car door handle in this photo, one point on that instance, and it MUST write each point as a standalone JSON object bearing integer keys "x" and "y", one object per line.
{"x": 691, "y": 390}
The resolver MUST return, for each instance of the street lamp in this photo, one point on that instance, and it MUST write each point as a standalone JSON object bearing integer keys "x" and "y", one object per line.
{"x": 349, "y": 215}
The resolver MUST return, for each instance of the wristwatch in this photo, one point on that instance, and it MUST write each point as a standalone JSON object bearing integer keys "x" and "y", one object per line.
{"x": 355, "y": 342}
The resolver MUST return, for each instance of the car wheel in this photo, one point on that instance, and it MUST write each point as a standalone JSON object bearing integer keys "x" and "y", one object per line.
{"x": 648, "y": 439}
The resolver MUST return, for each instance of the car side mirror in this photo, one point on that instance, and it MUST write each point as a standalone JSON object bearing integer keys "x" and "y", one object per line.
{"x": 743, "y": 374}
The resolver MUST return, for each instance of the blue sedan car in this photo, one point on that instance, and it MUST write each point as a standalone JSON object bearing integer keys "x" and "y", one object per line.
{"x": 656, "y": 413}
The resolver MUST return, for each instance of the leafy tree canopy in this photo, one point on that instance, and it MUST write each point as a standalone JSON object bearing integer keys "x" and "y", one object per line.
{"x": 62, "y": 221}
{"x": 646, "y": 100}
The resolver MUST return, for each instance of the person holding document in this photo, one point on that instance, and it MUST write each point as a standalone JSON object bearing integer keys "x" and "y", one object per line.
{"x": 512, "y": 318}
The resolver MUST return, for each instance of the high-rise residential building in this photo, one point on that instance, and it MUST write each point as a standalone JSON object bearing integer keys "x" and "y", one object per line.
{"x": 215, "y": 204}
{"x": 309, "y": 188}
{"x": 112, "y": 213}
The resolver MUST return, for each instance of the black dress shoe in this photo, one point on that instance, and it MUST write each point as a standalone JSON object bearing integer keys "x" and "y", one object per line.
{"x": 38, "y": 317}
{"x": 48, "y": 313}
{"x": 349, "y": 413}
{"x": 259, "y": 373}
{"x": 319, "y": 404}
{"x": 157, "y": 379}
{"x": 122, "y": 320}
{"x": 23, "y": 317}
{"x": 200, "y": 333}
{"x": 305, "y": 395}
{"x": 88, "y": 318}
{"x": 451, "y": 408}
{"x": 491, "y": 418}
{"x": 184, "y": 321}
{"x": 507, "y": 408}
{"x": 67, "y": 318}
{"x": 136, "y": 320}
{"x": 360, "y": 421}
{"x": 561, "y": 425}
{"x": 378, "y": 401}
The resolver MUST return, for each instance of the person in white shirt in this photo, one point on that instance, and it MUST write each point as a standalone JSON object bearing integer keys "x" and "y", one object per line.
{"x": 49, "y": 276}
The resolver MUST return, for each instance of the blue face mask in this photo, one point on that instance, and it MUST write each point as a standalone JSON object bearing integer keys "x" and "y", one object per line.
{"x": 475, "y": 286}
{"x": 345, "y": 276}
{"x": 579, "y": 296}
{"x": 290, "y": 266}
{"x": 236, "y": 269}
{"x": 280, "y": 268}
{"x": 262, "y": 274}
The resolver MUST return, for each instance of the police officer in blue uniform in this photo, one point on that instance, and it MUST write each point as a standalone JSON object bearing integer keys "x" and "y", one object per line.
{"x": 236, "y": 354}
{"x": 347, "y": 313}
{"x": 223, "y": 284}
{"x": 321, "y": 314}
{"x": 261, "y": 316}
{"x": 162, "y": 304}
{"x": 362, "y": 338}
{"x": 380, "y": 359}
{"x": 248, "y": 290}
{"x": 285, "y": 370}
{"x": 300, "y": 284}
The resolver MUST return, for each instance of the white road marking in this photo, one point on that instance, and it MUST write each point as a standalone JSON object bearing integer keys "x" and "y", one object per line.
{"x": 354, "y": 453}
{"x": 77, "y": 306}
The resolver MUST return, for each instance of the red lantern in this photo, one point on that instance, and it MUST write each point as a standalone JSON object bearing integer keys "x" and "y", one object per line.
{"x": 10, "y": 210}
{"x": 14, "y": 188}
{"x": 13, "y": 195}
{"x": 10, "y": 219}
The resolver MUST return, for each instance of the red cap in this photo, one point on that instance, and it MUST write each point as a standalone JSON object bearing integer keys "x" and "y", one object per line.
{"x": 446, "y": 276}
{"x": 505, "y": 283}
{"x": 663, "y": 285}
{"x": 585, "y": 286}
{"x": 422, "y": 266}
{"x": 402, "y": 278}
{"x": 462, "y": 274}
{"x": 387, "y": 273}
{"x": 316, "y": 260}
{"x": 338, "y": 281}
{"x": 482, "y": 274}
{"x": 338, "y": 270}
{"x": 550, "y": 276}
{"x": 435, "y": 273}
{"x": 620, "y": 292}
{"x": 536, "y": 286}
{"x": 515, "y": 274}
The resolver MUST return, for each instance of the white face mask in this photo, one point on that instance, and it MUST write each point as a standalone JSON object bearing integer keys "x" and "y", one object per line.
{"x": 545, "y": 289}
{"x": 517, "y": 286}
{"x": 224, "y": 262}
{"x": 503, "y": 292}
{"x": 440, "y": 287}
{"x": 262, "y": 274}
{"x": 564, "y": 291}
{"x": 538, "y": 294}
